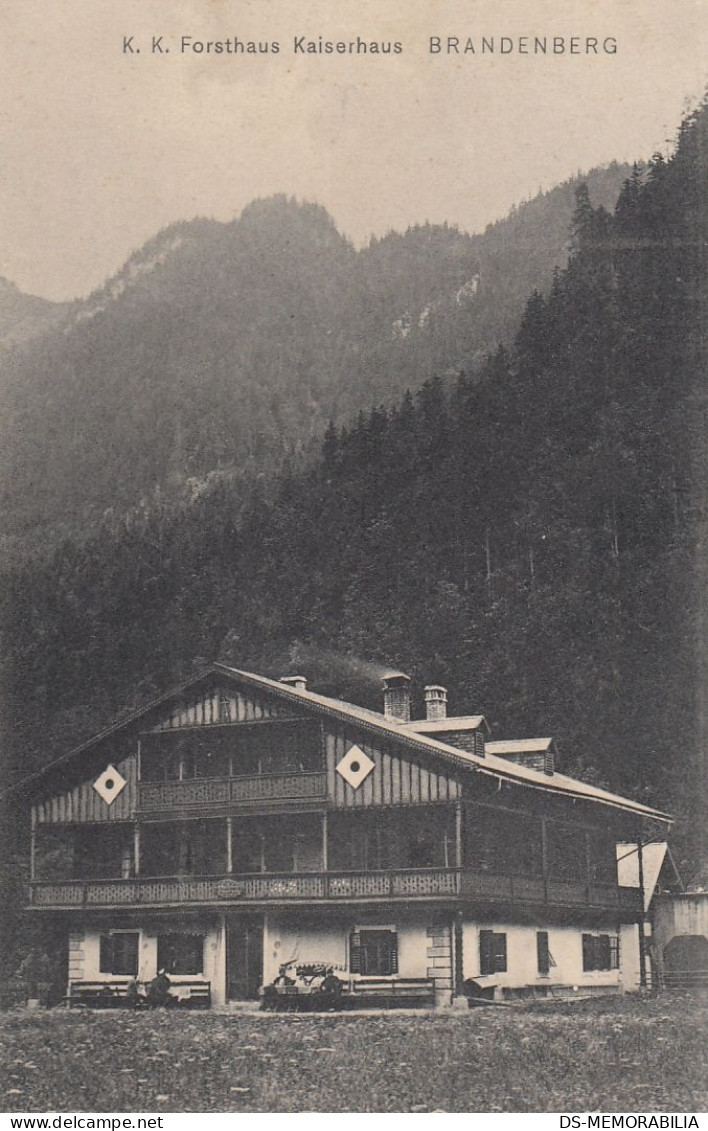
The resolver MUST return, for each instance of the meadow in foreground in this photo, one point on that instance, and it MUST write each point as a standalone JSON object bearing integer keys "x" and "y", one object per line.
{"x": 613, "y": 1055}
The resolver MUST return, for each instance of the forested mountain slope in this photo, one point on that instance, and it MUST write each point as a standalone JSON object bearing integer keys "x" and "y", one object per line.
{"x": 221, "y": 350}
{"x": 23, "y": 317}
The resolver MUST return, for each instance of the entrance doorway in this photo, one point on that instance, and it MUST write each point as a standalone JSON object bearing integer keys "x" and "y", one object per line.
{"x": 244, "y": 957}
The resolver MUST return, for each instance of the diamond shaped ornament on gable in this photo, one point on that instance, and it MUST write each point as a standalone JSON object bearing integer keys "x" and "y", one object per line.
{"x": 355, "y": 766}
{"x": 109, "y": 784}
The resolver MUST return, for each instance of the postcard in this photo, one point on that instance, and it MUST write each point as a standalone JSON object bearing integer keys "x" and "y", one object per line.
{"x": 352, "y": 494}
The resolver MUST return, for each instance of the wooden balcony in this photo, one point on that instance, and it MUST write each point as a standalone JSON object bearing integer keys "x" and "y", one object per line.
{"x": 229, "y": 889}
{"x": 407, "y": 885}
{"x": 485, "y": 886}
{"x": 212, "y": 796}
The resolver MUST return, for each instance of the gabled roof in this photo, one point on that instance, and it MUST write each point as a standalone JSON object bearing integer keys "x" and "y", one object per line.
{"x": 376, "y": 723}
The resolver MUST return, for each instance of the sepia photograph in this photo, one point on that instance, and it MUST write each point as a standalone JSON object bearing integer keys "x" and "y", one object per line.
{"x": 354, "y": 559}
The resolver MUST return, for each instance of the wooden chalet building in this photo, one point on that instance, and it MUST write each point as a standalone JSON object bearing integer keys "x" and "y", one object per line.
{"x": 240, "y": 823}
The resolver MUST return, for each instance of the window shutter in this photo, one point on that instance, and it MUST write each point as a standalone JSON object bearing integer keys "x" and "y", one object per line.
{"x": 614, "y": 952}
{"x": 355, "y": 952}
{"x": 393, "y": 950}
{"x": 486, "y": 953}
{"x": 542, "y": 952}
{"x": 125, "y": 953}
{"x": 604, "y": 953}
{"x": 499, "y": 941}
{"x": 105, "y": 963}
{"x": 588, "y": 953}
{"x": 132, "y": 950}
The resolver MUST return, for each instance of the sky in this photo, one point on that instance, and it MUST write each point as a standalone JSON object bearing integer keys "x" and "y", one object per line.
{"x": 101, "y": 147}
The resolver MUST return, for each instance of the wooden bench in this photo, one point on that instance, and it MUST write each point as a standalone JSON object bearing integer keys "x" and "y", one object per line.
{"x": 193, "y": 995}
{"x": 390, "y": 991}
{"x": 114, "y": 995}
{"x": 376, "y": 991}
{"x": 99, "y": 995}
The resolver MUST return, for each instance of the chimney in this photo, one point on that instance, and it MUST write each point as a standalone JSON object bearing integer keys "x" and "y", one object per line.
{"x": 299, "y": 682}
{"x": 397, "y": 697}
{"x": 435, "y": 702}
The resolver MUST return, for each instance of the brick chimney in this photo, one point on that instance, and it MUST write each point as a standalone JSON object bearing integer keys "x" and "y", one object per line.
{"x": 435, "y": 698}
{"x": 397, "y": 697}
{"x": 299, "y": 682}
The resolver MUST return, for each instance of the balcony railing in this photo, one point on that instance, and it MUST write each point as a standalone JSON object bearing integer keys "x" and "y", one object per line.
{"x": 536, "y": 889}
{"x": 245, "y": 792}
{"x": 408, "y": 885}
{"x": 234, "y": 888}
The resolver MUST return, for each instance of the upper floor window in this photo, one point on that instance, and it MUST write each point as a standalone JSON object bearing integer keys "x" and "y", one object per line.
{"x": 183, "y": 848}
{"x": 600, "y": 952}
{"x": 602, "y": 854}
{"x": 367, "y": 840}
{"x": 84, "y": 852}
{"x": 503, "y": 841}
{"x": 103, "y": 851}
{"x": 492, "y": 952}
{"x": 289, "y": 843}
{"x": 567, "y": 859}
{"x": 241, "y": 750}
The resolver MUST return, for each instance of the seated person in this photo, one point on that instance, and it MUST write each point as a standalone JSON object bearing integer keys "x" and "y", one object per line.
{"x": 133, "y": 997}
{"x": 159, "y": 990}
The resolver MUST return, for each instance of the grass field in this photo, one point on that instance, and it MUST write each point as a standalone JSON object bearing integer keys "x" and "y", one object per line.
{"x": 612, "y": 1055}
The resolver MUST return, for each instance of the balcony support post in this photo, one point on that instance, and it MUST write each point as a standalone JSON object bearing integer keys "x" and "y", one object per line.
{"x": 33, "y": 845}
{"x": 229, "y": 844}
{"x": 642, "y": 916}
{"x": 458, "y": 835}
{"x": 136, "y": 849}
{"x": 544, "y": 857}
{"x": 458, "y": 972}
{"x": 325, "y": 854}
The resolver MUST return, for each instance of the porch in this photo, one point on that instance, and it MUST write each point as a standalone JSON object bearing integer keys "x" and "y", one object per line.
{"x": 433, "y": 852}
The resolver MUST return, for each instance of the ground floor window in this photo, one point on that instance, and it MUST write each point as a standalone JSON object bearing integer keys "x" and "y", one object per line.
{"x": 180, "y": 953}
{"x": 600, "y": 952}
{"x": 373, "y": 950}
{"x": 119, "y": 953}
{"x": 492, "y": 952}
